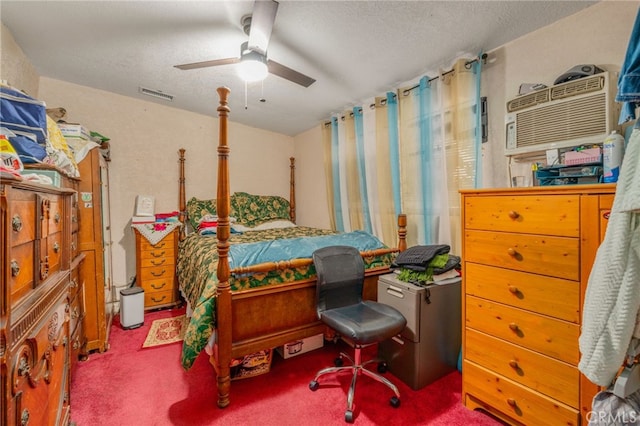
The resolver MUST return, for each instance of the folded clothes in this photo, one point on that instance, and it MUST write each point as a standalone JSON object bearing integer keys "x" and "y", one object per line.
{"x": 419, "y": 258}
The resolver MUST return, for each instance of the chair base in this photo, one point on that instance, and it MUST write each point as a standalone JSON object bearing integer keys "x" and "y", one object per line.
{"x": 358, "y": 367}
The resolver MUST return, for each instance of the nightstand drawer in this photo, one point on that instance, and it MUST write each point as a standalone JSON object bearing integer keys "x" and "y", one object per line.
{"x": 157, "y": 262}
{"x": 551, "y": 377}
{"x": 549, "y": 336}
{"x": 520, "y": 403}
{"x": 158, "y": 253}
{"x": 167, "y": 242}
{"x": 550, "y": 215}
{"x": 537, "y": 293}
{"x": 166, "y": 272}
{"x": 540, "y": 254}
{"x": 161, "y": 284}
{"x": 158, "y": 298}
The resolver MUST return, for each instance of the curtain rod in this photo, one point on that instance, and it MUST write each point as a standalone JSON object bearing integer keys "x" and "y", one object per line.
{"x": 467, "y": 65}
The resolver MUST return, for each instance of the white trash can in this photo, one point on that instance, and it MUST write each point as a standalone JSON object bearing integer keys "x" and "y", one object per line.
{"x": 132, "y": 307}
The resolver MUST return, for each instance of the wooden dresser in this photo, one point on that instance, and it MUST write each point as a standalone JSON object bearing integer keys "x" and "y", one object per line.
{"x": 156, "y": 270}
{"x": 527, "y": 257}
{"x": 36, "y": 255}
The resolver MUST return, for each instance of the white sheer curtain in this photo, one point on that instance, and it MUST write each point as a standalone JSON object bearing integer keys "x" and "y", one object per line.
{"x": 409, "y": 152}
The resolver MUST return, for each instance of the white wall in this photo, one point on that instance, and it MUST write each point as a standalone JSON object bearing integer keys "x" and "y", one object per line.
{"x": 597, "y": 35}
{"x": 145, "y": 139}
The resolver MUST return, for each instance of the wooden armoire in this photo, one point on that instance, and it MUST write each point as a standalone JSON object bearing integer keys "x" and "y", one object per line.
{"x": 95, "y": 243}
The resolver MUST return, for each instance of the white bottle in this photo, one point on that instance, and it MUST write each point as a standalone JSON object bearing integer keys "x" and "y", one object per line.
{"x": 612, "y": 152}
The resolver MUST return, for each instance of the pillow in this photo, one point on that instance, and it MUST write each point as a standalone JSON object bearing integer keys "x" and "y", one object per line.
{"x": 252, "y": 210}
{"x": 197, "y": 209}
{"x": 276, "y": 224}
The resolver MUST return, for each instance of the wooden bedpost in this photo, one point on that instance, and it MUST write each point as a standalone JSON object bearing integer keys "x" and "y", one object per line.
{"x": 402, "y": 232}
{"x": 182, "y": 201}
{"x": 292, "y": 190}
{"x": 223, "y": 302}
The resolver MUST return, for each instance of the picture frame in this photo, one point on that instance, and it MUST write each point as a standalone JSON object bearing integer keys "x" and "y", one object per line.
{"x": 145, "y": 205}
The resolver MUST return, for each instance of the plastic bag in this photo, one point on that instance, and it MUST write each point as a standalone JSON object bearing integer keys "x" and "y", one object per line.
{"x": 9, "y": 158}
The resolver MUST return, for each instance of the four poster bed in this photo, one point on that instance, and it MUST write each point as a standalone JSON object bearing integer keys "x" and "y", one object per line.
{"x": 246, "y": 307}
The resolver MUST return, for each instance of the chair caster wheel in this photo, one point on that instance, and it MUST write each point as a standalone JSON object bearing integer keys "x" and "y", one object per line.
{"x": 314, "y": 385}
{"x": 382, "y": 367}
{"x": 348, "y": 416}
{"x": 338, "y": 362}
{"x": 394, "y": 401}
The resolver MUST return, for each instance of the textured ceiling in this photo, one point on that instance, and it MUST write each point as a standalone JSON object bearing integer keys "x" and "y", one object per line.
{"x": 354, "y": 49}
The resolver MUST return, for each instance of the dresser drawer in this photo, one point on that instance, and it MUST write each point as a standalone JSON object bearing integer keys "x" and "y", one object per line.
{"x": 522, "y": 404}
{"x": 160, "y": 284}
{"x": 158, "y": 253}
{"x": 549, "y": 336}
{"x": 167, "y": 242}
{"x": 549, "y": 296}
{"x": 157, "y": 262}
{"x": 55, "y": 214}
{"x": 546, "y": 375}
{"x": 21, "y": 273}
{"x": 540, "y": 254}
{"x": 154, "y": 273}
{"x": 549, "y": 215}
{"x": 158, "y": 298}
{"x": 22, "y": 217}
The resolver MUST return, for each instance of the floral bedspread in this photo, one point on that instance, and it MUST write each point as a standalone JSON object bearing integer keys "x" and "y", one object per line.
{"x": 196, "y": 271}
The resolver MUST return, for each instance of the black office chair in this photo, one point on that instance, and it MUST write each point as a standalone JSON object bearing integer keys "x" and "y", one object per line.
{"x": 340, "y": 271}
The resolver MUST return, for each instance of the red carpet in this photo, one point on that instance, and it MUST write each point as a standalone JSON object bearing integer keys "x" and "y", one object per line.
{"x": 129, "y": 385}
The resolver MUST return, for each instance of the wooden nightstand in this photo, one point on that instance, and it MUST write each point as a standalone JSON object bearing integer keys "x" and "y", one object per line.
{"x": 156, "y": 270}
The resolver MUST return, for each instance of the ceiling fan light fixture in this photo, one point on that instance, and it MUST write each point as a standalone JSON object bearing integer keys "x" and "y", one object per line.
{"x": 251, "y": 70}
{"x": 252, "y": 66}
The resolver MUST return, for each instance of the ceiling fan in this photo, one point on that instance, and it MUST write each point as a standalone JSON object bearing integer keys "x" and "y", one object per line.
{"x": 258, "y": 27}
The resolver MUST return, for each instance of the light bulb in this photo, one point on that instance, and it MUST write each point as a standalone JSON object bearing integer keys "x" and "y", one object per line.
{"x": 251, "y": 70}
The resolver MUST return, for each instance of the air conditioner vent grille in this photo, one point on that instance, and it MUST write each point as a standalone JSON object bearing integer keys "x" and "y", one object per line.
{"x": 528, "y": 100}
{"x": 563, "y": 121}
{"x": 577, "y": 87}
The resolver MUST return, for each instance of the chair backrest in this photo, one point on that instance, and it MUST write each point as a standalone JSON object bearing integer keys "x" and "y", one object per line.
{"x": 340, "y": 273}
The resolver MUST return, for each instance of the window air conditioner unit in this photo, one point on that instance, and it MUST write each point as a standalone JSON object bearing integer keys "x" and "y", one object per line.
{"x": 578, "y": 112}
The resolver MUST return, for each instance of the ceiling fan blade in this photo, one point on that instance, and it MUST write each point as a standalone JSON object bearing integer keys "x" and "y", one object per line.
{"x": 205, "y": 64}
{"x": 289, "y": 74}
{"x": 262, "y": 19}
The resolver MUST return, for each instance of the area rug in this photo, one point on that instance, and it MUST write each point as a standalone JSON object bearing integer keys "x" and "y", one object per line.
{"x": 166, "y": 330}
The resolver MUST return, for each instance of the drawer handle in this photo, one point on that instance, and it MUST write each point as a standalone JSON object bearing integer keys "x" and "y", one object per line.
{"x": 159, "y": 245}
{"x": 56, "y": 218}
{"x": 24, "y": 417}
{"x": 512, "y": 252}
{"x": 16, "y": 223}
{"x": 158, "y": 287}
{"x": 512, "y": 402}
{"x": 45, "y": 206}
{"x": 514, "y": 214}
{"x": 56, "y": 247}
{"x": 514, "y": 364}
{"x": 513, "y": 289}
{"x": 158, "y": 300}
{"x": 154, "y": 254}
{"x": 154, "y": 263}
{"x": 159, "y": 274}
{"x": 15, "y": 268}
{"x": 44, "y": 268}
{"x": 513, "y": 326}
{"x": 73, "y": 283}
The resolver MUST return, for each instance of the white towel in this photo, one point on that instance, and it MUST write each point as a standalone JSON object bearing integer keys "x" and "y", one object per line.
{"x": 612, "y": 299}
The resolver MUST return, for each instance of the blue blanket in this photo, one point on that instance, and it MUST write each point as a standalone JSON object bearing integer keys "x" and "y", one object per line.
{"x": 241, "y": 255}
